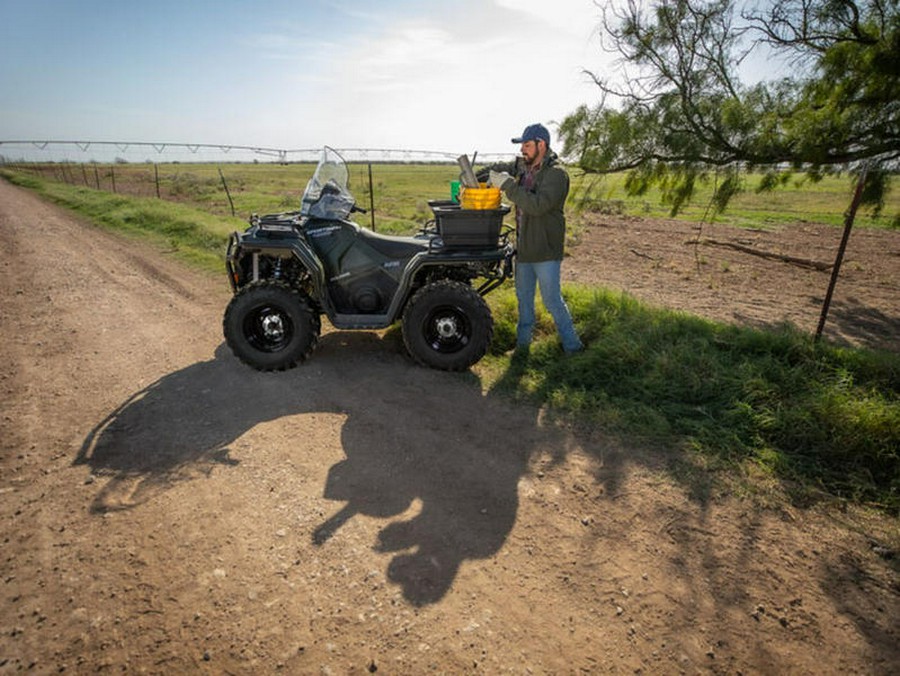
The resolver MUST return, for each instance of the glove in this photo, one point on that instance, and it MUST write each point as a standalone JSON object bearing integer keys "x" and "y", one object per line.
{"x": 499, "y": 179}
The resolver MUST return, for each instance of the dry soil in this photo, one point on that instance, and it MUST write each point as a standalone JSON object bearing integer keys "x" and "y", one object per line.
{"x": 167, "y": 510}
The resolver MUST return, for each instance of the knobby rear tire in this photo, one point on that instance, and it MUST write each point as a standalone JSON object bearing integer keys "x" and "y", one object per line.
{"x": 447, "y": 325}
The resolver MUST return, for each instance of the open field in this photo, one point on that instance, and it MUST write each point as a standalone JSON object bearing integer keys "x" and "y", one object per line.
{"x": 402, "y": 191}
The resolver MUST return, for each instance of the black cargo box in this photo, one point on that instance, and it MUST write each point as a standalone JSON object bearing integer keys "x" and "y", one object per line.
{"x": 468, "y": 228}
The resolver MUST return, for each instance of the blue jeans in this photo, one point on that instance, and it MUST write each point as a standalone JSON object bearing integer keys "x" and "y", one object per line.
{"x": 546, "y": 274}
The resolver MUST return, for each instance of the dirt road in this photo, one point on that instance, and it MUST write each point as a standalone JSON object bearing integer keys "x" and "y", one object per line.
{"x": 167, "y": 510}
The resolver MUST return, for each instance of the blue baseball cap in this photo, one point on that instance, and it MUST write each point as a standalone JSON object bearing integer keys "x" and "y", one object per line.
{"x": 533, "y": 132}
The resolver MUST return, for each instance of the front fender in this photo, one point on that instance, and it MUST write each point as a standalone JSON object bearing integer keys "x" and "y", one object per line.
{"x": 251, "y": 244}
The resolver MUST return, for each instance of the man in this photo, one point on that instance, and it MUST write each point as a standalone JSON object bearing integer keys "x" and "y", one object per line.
{"x": 538, "y": 187}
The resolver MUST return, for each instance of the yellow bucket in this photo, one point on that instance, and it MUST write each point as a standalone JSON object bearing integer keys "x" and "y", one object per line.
{"x": 479, "y": 198}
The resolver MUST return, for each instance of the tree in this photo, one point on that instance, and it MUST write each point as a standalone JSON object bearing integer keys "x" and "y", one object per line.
{"x": 680, "y": 113}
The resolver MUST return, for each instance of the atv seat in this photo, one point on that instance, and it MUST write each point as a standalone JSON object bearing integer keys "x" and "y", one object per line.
{"x": 392, "y": 246}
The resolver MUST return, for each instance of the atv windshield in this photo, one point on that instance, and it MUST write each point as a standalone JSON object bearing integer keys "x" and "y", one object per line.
{"x": 327, "y": 194}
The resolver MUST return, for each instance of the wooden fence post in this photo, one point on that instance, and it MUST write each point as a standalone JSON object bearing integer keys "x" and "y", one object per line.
{"x": 227, "y": 191}
{"x": 849, "y": 217}
{"x": 371, "y": 197}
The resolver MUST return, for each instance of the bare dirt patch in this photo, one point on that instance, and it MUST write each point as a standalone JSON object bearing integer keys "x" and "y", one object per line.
{"x": 711, "y": 270}
{"x": 167, "y": 510}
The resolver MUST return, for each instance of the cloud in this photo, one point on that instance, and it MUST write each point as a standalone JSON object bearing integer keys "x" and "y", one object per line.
{"x": 471, "y": 75}
{"x": 577, "y": 18}
{"x": 403, "y": 74}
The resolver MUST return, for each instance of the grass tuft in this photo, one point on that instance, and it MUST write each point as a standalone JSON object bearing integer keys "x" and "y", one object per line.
{"x": 192, "y": 235}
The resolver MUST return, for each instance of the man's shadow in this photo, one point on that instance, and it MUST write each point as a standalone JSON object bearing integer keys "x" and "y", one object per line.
{"x": 449, "y": 460}
{"x": 413, "y": 439}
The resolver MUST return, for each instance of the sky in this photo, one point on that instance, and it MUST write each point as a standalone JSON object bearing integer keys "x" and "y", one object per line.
{"x": 455, "y": 77}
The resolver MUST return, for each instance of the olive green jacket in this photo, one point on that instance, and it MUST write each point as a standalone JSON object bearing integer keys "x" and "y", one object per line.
{"x": 540, "y": 213}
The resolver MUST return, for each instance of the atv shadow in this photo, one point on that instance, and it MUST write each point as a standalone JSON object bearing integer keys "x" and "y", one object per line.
{"x": 413, "y": 439}
{"x": 176, "y": 427}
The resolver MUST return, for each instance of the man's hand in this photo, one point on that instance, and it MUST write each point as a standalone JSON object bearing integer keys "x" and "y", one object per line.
{"x": 499, "y": 178}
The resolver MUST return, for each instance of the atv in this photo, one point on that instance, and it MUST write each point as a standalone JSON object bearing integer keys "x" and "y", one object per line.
{"x": 287, "y": 270}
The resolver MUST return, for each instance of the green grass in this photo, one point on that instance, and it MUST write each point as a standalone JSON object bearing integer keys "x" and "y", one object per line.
{"x": 818, "y": 419}
{"x": 815, "y": 417}
{"x": 402, "y": 191}
{"x": 194, "y": 236}
{"x": 800, "y": 200}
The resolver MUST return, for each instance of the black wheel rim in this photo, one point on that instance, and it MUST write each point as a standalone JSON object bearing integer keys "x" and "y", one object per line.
{"x": 268, "y": 328}
{"x": 447, "y": 329}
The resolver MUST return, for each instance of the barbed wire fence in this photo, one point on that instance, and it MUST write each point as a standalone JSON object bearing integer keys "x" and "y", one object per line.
{"x": 157, "y": 169}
